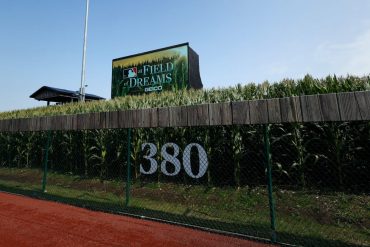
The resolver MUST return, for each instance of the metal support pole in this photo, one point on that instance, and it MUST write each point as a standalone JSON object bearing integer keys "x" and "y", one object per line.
{"x": 82, "y": 88}
{"x": 128, "y": 180}
{"x": 266, "y": 130}
{"x": 46, "y": 157}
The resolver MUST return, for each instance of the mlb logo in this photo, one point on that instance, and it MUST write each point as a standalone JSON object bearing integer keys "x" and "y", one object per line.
{"x": 130, "y": 72}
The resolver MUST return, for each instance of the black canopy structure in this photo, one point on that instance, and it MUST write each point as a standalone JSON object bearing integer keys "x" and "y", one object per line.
{"x": 60, "y": 96}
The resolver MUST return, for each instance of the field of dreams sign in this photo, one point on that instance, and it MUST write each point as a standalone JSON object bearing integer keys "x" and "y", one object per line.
{"x": 168, "y": 68}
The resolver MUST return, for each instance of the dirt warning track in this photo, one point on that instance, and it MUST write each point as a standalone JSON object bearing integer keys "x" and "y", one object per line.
{"x": 30, "y": 222}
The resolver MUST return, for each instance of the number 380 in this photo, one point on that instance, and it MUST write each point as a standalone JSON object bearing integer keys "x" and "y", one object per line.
{"x": 173, "y": 160}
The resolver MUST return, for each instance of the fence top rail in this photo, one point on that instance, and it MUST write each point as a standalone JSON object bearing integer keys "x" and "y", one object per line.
{"x": 350, "y": 106}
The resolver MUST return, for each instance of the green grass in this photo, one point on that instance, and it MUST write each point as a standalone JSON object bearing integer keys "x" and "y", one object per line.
{"x": 309, "y": 218}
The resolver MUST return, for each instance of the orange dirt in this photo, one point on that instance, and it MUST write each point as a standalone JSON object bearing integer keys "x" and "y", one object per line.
{"x": 30, "y": 222}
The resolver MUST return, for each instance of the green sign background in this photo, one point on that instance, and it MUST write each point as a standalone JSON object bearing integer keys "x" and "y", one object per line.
{"x": 165, "y": 69}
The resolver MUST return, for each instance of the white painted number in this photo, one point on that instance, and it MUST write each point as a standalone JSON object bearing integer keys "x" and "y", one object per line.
{"x": 153, "y": 162}
{"x": 203, "y": 161}
{"x": 170, "y": 159}
{"x": 174, "y": 161}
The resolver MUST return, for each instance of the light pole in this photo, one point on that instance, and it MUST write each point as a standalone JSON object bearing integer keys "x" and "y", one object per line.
{"x": 82, "y": 87}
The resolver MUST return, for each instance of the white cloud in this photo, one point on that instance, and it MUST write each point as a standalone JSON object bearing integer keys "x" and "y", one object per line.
{"x": 346, "y": 58}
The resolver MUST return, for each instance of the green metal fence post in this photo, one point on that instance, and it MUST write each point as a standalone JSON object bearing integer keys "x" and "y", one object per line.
{"x": 128, "y": 179}
{"x": 46, "y": 157}
{"x": 266, "y": 130}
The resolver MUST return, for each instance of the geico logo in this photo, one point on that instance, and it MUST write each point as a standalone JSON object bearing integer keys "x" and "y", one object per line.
{"x": 171, "y": 158}
{"x": 150, "y": 89}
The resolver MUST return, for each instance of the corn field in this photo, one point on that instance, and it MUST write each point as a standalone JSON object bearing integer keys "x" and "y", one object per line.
{"x": 306, "y": 86}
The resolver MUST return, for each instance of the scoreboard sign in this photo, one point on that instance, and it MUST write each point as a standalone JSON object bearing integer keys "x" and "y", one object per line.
{"x": 169, "y": 68}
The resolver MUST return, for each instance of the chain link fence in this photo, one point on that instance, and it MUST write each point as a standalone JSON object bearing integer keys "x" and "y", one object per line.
{"x": 299, "y": 184}
{"x": 321, "y": 179}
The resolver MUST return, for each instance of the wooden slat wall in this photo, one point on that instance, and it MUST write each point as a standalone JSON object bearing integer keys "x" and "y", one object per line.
{"x": 352, "y": 106}
{"x": 274, "y": 113}
{"x": 220, "y": 114}
{"x": 290, "y": 110}
{"x": 240, "y": 112}
{"x": 258, "y": 111}
{"x": 311, "y": 110}
{"x": 329, "y": 107}
{"x": 363, "y": 101}
{"x": 348, "y": 107}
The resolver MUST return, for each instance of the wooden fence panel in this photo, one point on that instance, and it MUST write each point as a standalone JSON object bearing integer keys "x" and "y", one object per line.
{"x": 329, "y": 107}
{"x": 80, "y": 124}
{"x": 91, "y": 123}
{"x": 290, "y": 108}
{"x": 198, "y": 115}
{"x": 28, "y": 125}
{"x": 153, "y": 117}
{"x": 311, "y": 110}
{"x": 352, "y": 106}
{"x": 43, "y": 124}
{"x": 163, "y": 117}
{"x": 9, "y": 125}
{"x": 133, "y": 119}
{"x": 97, "y": 122}
{"x": 274, "y": 114}
{"x": 5, "y": 125}
{"x": 2, "y": 125}
{"x": 363, "y": 101}
{"x": 70, "y": 122}
{"x": 348, "y": 107}
{"x": 220, "y": 114}
{"x": 48, "y": 123}
{"x": 53, "y": 123}
{"x": 240, "y": 112}
{"x": 61, "y": 122}
{"x": 12, "y": 125}
{"x": 178, "y": 116}
{"x": 25, "y": 124}
{"x": 258, "y": 111}
{"x": 122, "y": 119}
{"x": 34, "y": 124}
{"x": 113, "y": 120}
{"x": 102, "y": 120}
{"x": 18, "y": 124}
{"x": 141, "y": 119}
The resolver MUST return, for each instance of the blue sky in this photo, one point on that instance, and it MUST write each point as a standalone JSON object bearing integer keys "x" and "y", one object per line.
{"x": 238, "y": 41}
